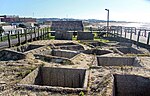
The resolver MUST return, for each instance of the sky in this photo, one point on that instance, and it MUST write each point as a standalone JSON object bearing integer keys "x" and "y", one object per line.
{"x": 120, "y": 10}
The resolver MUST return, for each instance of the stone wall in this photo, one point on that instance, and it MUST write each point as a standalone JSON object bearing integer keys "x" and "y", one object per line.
{"x": 85, "y": 36}
{"x": 63, "y": 35}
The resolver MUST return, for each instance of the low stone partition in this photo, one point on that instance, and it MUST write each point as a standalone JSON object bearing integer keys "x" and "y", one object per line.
{"x": 96, "y": 51}
{"x": 125, "y": 44}
{"x": 7, "y": 55}
{"x": 129, "y": 50}
{"x": 56, "y": 79}
{"x": 54, "y": 59}
{"x": 131, "y": 85}
{"x": 64, "y": 53}
{"x": 63, "y": 35}
{"x": 26, "y": 47}
{"x": 85, "y": 36}
{"x": 118, "y": 61}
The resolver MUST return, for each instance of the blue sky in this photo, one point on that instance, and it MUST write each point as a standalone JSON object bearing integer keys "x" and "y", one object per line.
{"x": 124, "y": 10}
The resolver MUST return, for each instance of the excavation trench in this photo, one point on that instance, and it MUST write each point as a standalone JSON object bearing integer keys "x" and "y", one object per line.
{"x": 118, "y": 61}
{"x": 56, "y": 77}
{"x": 97, "y": 52}
{"x": 131, "y": 85}
{"x": 26, "y": 48}
{"x": 69, "y": 46}
{"x": 129, "y": 50}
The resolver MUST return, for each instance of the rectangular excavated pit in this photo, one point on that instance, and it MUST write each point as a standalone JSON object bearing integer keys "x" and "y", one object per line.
{"x": 131, "y": 85}
{"x": 118, "y": 61}
{"x": 54, "y": 59}
{"x": 69, "y": 46}
{"x": 64, "y": 53}
{"x": 129, "y": 51}
{"x": 57, "y": 77}
{"x": 7, "y": 55}
{"x": 60, "y": 53}
{"x": 96, "y": 51}
{"x": 26, "y": 48}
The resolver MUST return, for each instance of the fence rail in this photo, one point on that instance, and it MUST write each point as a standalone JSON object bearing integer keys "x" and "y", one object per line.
{"x": 32, "y": 34}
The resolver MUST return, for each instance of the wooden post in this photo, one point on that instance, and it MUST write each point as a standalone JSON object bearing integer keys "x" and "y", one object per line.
{"x": 115, "y": 33}
{"x": 148, "y": 38}
{"x": 38, "y": 33}
{"x": 25, "y": 33}
{"x": 43, "y": 34}
{"x": 9, "y": 42}
{"x": 19, "y": 38}
{"x": 145, "y": 33}
{"x": 125, "y": 33}
{"x": 138, "y": 37}
{"x": 47, "y": 33}
{"x": 1, "y": 37}
{"x": 131, "y": 35}
{"x": 121, "y": 32}
{"x": 30, "y": 30}
{"x": 35, "y": 33}
{"x": 135, "y": 31}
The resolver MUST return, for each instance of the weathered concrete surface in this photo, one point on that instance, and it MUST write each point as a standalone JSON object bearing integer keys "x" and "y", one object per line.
{"x": 26, "y": 47}
{"x": 54, "y": 59}
{"x": 129, "y": 50}
{"x": 6, "y": 55}
{"x": 63, "y": 35}
{"x": 68, "y": 46}
{"x": 85, "y": 36}
{"x": 97, "y": 51}
{"x": 64, "y": 53}
{"x": 118, "y": 61}
{"x": 62, "y": 77}
{"x": 131, "y": 85}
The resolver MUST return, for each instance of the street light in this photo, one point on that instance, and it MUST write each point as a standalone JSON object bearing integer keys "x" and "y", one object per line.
{"x": 107, "y": 20}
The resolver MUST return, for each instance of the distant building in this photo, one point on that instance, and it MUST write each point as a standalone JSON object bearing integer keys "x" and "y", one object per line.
{"x": 15, "y": 19}
{"x": 67, "y": 26}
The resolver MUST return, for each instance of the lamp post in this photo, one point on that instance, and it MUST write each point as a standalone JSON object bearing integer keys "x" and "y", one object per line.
{"x": 107, "y": 20}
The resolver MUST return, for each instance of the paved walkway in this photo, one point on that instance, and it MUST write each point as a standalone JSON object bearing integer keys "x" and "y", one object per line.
{"x": 15, "y": 41}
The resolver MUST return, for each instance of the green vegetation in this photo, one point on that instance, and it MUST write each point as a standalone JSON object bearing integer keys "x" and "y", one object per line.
{"x": 81, "y": 94}
{"x": 51, "y": 37}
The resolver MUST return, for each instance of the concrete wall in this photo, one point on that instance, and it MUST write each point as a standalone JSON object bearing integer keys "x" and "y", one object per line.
{"x": 62, "y": 77}
{"x": 6, "y": 55}
{"x": 64, "y": 53}
{"x": 33, "y": 78}
{"x": 25, "y": 48}
{"x": 73, "y": 78}
{"x": 117, "y": 61}
{"x": 72, "y": 47}
{"x": 85, "y": 36}
{"x": 131, "y": 85}
{"x": 129, "y": 51}
{"x": 63, "y": 35}
{"x": 54, "y": 59}
{"x": 97, "y": 52}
